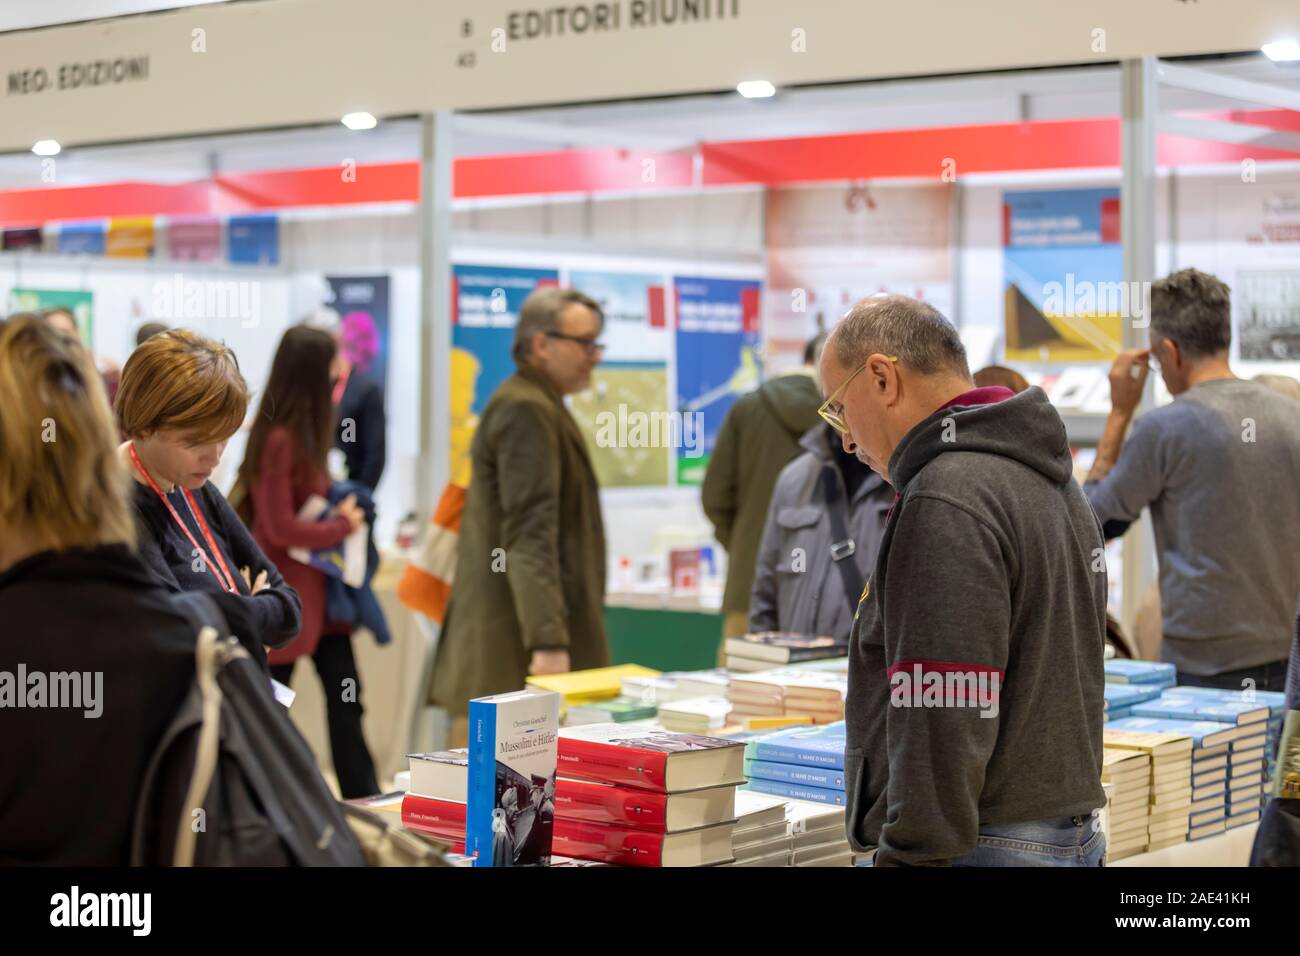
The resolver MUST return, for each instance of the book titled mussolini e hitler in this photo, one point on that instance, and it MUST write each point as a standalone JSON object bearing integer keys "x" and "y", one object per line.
{"x": 510, "y": 805}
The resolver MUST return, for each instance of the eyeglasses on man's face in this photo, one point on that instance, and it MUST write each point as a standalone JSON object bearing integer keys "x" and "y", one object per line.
{"x": 832, "y": 410}
{"x": 589, "y": 345}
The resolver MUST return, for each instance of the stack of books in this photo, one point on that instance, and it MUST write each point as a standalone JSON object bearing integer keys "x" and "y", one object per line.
{"x": 616, "y": 710}
{"x": 1236, "y": 726}
{"x": 584, "y": 687}
{"x": 1146, "y": 673}
{"x": 1238, "y": 707}
{"x": 435, "y": 802}
{"x": 817, "y": 695}
{"x": 769, "y": 649}
{"x": 817, "y": 835}
{"x": 696, "y": 715}
{"x": 639, "y": 797}
{"x": 1246, "y": 764}
{"x": 799, "y": 763}
{"x": 1118, "y": 700}
{"x": 676, "y": 685}
{"x": 1128, "y": 774}
{"x": 762, "y": 835}
{"x": 1171, "y": 774}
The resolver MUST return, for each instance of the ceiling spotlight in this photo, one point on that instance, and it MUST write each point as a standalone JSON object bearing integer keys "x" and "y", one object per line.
{"x": 1282, "y": 51}
{"x": 755, "y": 89}
{"x": 46, "y": 147}
{"x": 359, "y": 121}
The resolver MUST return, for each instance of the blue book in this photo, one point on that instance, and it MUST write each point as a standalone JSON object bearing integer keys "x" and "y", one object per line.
{"x": 1126, "y": 695}
{"x": 1275, "y": 701}
{"x": 1204, "y": 733}
{"x": 791, "y": 791}
{"x": 1119, "y": 671}
{"x": 510, "y": 810}
{"x": 1180, "y": 707}
{"x": 821, "y": 746}
{"x": 829, "y": 778}
{"x": 1119, "y": 713}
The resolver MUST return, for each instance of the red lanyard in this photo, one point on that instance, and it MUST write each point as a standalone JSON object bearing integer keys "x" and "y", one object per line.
{"x": 341, "y": 385}
{"x": 213, "y": 562}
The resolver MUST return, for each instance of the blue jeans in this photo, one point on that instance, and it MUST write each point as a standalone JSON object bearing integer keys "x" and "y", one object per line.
{"x": 1066, "y": 841}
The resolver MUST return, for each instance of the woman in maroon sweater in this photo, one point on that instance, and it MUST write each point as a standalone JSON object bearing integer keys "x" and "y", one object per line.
{"x": 283, "y": 466}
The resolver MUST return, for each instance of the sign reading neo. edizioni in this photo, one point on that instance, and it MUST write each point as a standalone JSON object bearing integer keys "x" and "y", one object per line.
{"x": 74, "y": 76}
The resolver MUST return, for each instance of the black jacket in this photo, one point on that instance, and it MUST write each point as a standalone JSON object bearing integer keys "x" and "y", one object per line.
{"x": 361, "y": 426}
{"x": 68, "y": 781}
{"x": 272, "y": 617}
{"x": 992, "y": 564}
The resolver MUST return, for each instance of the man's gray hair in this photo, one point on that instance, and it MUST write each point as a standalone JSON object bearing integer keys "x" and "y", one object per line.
{"x": 1193, "y": 309}
{"x": 541, "y": 313}
{"x": 914, "y": 331}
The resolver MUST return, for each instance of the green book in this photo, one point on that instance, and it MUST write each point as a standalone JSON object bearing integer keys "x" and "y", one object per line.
{"x": 617, "y": 710}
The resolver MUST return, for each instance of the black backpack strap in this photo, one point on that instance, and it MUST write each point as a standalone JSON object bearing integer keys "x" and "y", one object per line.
{"x": 843, "y": 547}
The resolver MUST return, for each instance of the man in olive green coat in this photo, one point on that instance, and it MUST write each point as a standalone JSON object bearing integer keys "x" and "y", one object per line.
{"x": 759, "y": 437}
{"x": 529, "y": 592}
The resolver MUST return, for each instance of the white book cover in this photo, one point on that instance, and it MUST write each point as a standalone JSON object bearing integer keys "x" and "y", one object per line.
{"x": 346, "y": 560}
{"x": 510, "y": 811}
{"x": 714, "y": 710}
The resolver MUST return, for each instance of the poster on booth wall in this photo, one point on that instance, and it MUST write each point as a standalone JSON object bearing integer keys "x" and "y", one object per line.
{"x": 486, "y": 307}
{"x": 624, "y": 414}
{"x": 362, "y": 305}
{"x": 830, "y": 245}
{"x": 1268, "y": 314}
{"x": 717, "y": 343}
{"x": 81, "y": 304}
{"x": 254, "y": 240}
{"x": 1064, "y": 295}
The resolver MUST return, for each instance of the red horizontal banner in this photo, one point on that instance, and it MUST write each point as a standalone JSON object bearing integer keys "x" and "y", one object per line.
{"x": 941, "y": 153}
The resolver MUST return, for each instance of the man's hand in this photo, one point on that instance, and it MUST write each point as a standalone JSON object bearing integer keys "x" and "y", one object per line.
{"x": 549, "y": 662}
{"x": 1128, "y": 377}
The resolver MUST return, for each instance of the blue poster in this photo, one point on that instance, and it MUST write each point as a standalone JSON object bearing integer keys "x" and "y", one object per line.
{"x": 487, "y": 301}
{"x": 1063, "y": 267}
{"x": 362, "y": 305}
{"x": 717, "y": 344}
{"x": 81, "y": 238}
{"x": 254, "y": 240}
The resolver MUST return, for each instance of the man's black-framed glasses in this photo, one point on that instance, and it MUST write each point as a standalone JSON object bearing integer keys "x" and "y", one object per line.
{"x": 591, "y": 346}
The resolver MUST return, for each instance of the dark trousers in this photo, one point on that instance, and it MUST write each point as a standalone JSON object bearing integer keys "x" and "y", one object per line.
{"x": 337, "y": 669}
{"x": 1270, "y": 676}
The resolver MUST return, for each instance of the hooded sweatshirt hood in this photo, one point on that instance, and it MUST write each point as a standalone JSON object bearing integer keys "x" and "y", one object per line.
{"x": 1024, "y": 427}
{"x": 793, "y": 400}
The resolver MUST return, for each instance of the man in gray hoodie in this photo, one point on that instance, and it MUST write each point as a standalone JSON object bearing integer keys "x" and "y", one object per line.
{"x": 975, "y": 664}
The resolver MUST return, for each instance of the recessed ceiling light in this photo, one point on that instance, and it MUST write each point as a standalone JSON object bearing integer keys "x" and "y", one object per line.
{"x": 359, "y": 121}
{"x": 1282, "y": 51}
{"x": 46, "y": 147}
{"x": 755, "y": 89}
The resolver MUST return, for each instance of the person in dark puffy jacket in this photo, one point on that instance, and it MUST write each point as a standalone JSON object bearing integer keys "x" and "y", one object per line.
{"x": 800, "y": 583}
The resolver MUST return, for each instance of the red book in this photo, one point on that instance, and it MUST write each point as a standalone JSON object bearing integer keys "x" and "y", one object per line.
{"x": 623, "y": 846}
{"x": 441, "y": 817}
{"x": 643, "y": 809}
{"x": 649, "y": 759}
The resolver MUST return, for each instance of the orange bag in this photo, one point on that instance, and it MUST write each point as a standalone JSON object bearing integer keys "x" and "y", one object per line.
{"x": 425, "y": 585}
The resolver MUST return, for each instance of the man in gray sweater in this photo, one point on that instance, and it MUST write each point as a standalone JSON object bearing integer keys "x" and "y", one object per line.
{"x": 975, "y": 663}
{"x": 1220, "y": 469}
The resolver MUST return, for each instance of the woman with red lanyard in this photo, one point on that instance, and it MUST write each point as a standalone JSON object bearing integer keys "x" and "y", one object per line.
{"x": 180, "y": 400}
{"x": 283, "y": 466}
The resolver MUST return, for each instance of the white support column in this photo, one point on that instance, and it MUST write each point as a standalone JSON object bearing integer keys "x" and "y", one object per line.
{"x": 1139, "y": 115}
{"x": 435, "y": 309}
